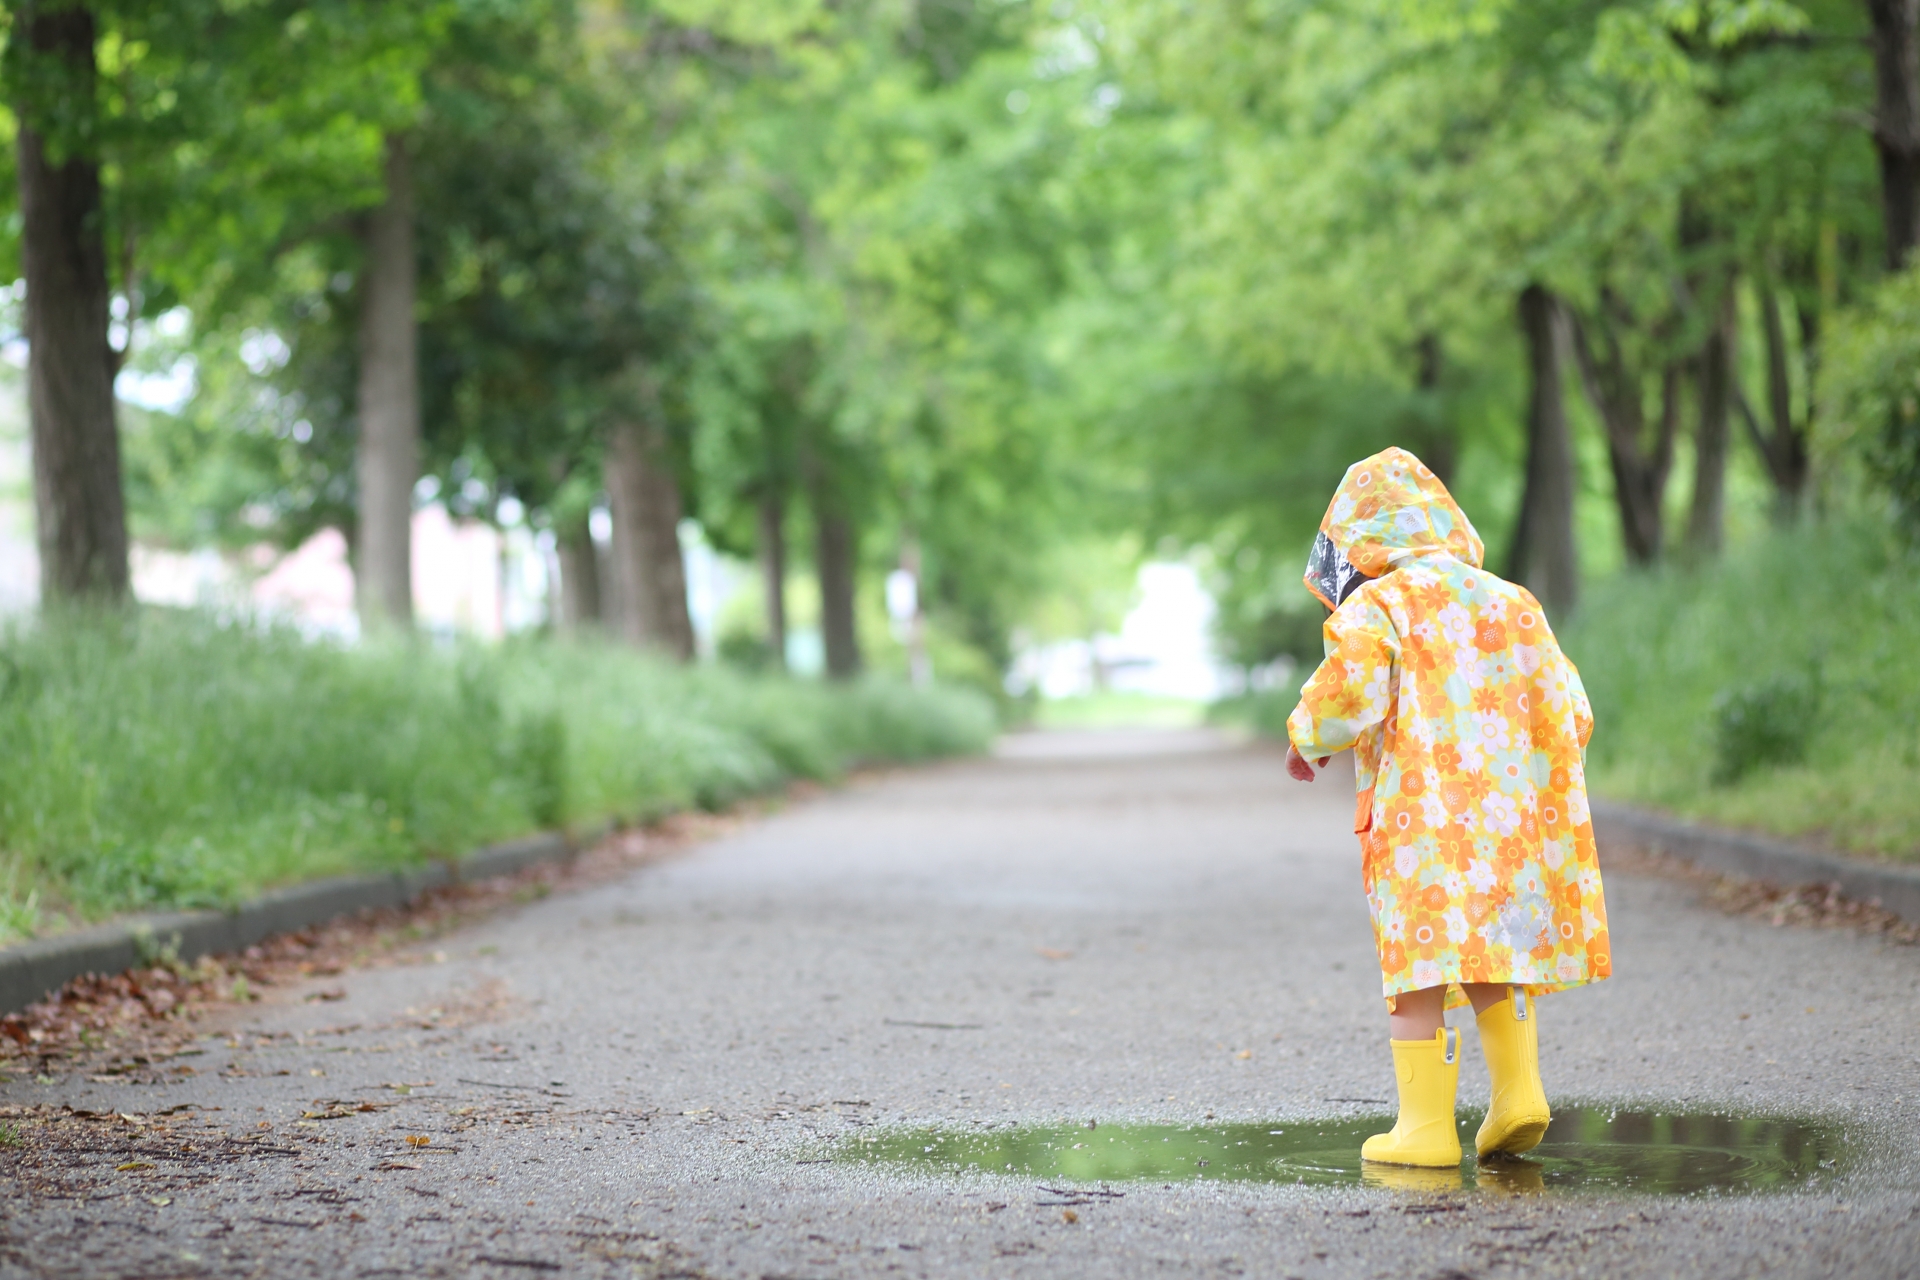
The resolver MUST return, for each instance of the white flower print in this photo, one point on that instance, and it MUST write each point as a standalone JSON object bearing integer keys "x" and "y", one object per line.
{"x": 1527, "y": 658}
{"x": 1577, "y": 807}
{"x": 1480, "y": 875}
{"x": 1376, "y": 691}
{"x": 1425, "y": 630}
{"x": 1426, "y": 974}
{"x": 1457, "y": 624}
{"x": 1490, "y": 730}
{"x": 1454, "y": 883}
{"x": 1568, "y": 968}
{"x": 1556, "y": 689}
{"x": 1589, "y": 881}
{"x": 1393, "y": 927}
{"x": 1589, "y": 924}
{"x": 1472, "y": 758}
{"x": 1466, "y": 665}
{"x": 1553, "y": 853}
{"x": 1502, "y": 815}
{"x": 1456, "y": 925}
{"x": 1406, "y": 861}
{"x": 1433, "y": 810}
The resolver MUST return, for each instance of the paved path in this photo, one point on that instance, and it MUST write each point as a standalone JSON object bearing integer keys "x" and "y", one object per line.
{"x": 630, "y": 1080}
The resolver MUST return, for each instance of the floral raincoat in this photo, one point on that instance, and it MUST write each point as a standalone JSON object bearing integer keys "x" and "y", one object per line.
{"x": 1468, "y": 727}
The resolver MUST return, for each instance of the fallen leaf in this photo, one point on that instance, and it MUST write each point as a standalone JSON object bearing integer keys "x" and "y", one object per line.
{"x": 131, "y": 1165}
{"x": 1244, "y": 1053}
{"x": 1066, "y": 1215}
{"x": 418, "y": 1140}
{"x": 161, "y": 1201}
{"x": 1053, "y": 953}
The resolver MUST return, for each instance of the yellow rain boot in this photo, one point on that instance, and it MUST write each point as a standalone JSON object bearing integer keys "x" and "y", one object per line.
{"x": 1517, "y": 1117}
{"x": 1428, "y": 1072}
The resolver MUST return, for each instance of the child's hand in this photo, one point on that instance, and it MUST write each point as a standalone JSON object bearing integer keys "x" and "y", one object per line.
{"x": 1297, "y": 766}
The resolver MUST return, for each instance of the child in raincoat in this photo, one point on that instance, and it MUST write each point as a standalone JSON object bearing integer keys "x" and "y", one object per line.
{"x": 1468, "y": 727}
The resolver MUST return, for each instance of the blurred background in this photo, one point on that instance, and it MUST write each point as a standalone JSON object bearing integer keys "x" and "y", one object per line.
{"x": 425, "y": 422}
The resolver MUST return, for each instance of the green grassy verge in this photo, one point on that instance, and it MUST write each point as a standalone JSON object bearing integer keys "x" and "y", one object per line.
{"x": 1778, "y": 690}
{"x": 1112, "y": 710}
{"x": 166, "y": 760}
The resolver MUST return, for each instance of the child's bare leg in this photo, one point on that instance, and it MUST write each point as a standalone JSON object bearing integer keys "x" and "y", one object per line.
{"x": 1418, "y": 1014}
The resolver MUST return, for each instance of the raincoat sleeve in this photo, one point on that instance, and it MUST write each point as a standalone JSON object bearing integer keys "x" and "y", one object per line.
{"x": 1582, "y": 709}
{"x": 1352, "y": 690}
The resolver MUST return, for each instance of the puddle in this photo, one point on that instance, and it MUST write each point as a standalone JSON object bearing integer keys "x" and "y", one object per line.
{"x": 1587, "y": 1149}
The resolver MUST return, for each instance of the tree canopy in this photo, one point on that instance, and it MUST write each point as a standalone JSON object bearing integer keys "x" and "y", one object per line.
{"x": 1015, "y": 293}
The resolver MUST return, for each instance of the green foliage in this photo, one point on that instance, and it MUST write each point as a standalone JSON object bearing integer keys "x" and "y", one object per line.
{"x": 1764, "y": 723}
{"x": 1786, "y": 672}
{"x": 1264, "y": 711}
{"x": 1872, "y": 391}
{"x": 171, "y": 760}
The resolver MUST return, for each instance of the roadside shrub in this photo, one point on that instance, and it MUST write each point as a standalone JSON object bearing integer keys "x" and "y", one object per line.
{"x": 167, "y": 759}
{"x": 1762, "y": 724}
{"x": 1778, "y": 689}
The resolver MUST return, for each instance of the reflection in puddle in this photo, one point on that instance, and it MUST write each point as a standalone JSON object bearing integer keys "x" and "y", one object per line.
{"x": 1588, "y": 1148}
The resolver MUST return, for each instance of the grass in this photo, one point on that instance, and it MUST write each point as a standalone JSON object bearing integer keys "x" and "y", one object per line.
{"x": 1778, "y": 690}
{"x": 1117, "y": 710}
{"x": 166, "y": 760}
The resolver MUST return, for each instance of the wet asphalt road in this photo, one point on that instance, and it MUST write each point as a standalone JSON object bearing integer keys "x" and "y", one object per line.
{"x": 640, "y": 1079}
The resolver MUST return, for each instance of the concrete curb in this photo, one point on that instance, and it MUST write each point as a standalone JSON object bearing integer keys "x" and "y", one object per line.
{"x": 1892, "y": 888}
{"x": 31, "y": 971}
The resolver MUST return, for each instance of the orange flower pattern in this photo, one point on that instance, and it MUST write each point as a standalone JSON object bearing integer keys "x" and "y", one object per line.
{"x": 1468, "y": 727}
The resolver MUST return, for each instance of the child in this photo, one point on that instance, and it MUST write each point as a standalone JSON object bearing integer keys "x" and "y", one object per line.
{"x": 1468, "y": 727}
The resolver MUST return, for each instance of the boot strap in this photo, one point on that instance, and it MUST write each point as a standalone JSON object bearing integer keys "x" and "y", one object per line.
{"x": 1519, "y": 995}
{"x": 1453, "y": 1045}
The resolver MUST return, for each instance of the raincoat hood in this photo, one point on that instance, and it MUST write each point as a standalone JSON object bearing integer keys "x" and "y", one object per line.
{"x": 1388, "y": 509}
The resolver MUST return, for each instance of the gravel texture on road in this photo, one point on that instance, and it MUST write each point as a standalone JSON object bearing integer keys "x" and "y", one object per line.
{"x": 643, "y": 1078}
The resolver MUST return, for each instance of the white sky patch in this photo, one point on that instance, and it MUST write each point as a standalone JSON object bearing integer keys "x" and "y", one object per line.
{"x": 165, "y": 392}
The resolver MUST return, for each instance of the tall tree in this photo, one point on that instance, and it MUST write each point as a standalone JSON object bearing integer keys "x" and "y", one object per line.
{"x": 388, "y": 462}
{"x": 78, "y": 498}
{"x": 650, "y": 574}
{"x": 771, "y": 543}
{"x": 1896, "y": 121}
{"x": 1543, "y": 557}
{"x": 836, "y": 559}
{"x": 1639, "y": 459}
{"x": 1713, "y": 429}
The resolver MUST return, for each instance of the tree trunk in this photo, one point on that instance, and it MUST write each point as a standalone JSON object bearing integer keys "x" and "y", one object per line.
{"x": 1543, "y": 556}
{"x": 835, "y": 553}
{"x": 389, "y": 456}
{"x": 79, "y": 505}
{"x": 1434, "y": 439}
{"x": 1614, "y": 389}
{"x": 773, "y": 573}
{"x": 580, "y": 609}
{"x": 1706, "y": 518}
{"x": 646, "y": 543}
{"x": 1782, "y": 442}
{"x": 1896, "y": 121}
